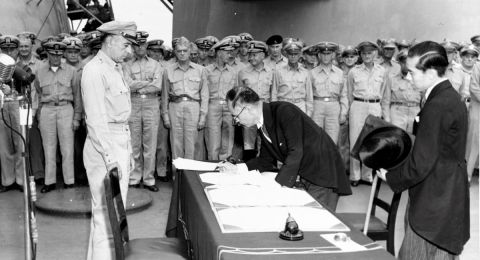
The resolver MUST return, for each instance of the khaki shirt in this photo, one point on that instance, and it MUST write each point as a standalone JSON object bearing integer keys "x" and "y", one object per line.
{"x": 261, "y": 81}
{"x": 220, "y": 80}
{"x": 330, "y": 82}
{"x": 468, "y": 78}
{"x": 399, "y": 89}
{"x": 145, "y": 73}
{"x": 458, "y": 78}
{"x": 275, "y": 64}
{"x": 106, "y": 99}
{"x": 237, "y": 65}
{"x": 295, "y": 83}
{"x": 364, "y": 83}
{"x": 392, "y": 67}
{"x": 191, "y": 82}
{"x": 62, "y": 85}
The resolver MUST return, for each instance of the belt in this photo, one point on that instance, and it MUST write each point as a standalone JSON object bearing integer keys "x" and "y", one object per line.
{"x": 146, "y": 95}
{"x": 292, "y": 100}
{"x": 218, "y": 100}
{"x": 181, "y": 98}
{"x": 326, "y": 99}
{"x": 407, "y": 104}
{"x": 57, "y": 103}
{"x": 367, "y": 100}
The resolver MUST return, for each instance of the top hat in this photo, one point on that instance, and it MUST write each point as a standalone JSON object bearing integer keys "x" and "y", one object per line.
{"x": 381, "y": 144}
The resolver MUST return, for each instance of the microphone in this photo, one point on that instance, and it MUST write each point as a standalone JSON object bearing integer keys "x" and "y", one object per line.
{"x": 7, "y": 68}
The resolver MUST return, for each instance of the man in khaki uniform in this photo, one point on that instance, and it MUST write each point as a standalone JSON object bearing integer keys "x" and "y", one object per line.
{"x": 293, "y": 81}
{"x": 59, "y": 109}
{"x": 243, "y": 48}
{"x": 401, "y": 97}
{"x": 221, "y": 78}
{"x": 260, "y": 78}
{"x": 72, "y": 51}
{"x": 473, "y": 112}
{"x": 365, "y": 85}
{"x": 310, "y": 58}
{"x": 275, "y": 57}
{"x": 204, "y": 46}
{"x": 144, "y": 77}
{"x": 454, "y": 72}
{"x": 106, "y": 99}
{"x": 330, "y": 103}
{"x": 11, "y": 147}
{"x": 388, "y": 50}
{"x": 184, "y": 101}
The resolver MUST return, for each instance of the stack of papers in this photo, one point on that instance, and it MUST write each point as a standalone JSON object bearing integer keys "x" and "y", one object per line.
{"x": 193, "y": 165}
{"x": 251, "y": 177}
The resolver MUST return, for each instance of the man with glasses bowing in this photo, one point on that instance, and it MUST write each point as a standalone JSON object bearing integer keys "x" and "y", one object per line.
{"x": 291, "y": 137}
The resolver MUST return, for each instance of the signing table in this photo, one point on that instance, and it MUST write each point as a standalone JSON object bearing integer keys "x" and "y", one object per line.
{"x": 243, "y": 222}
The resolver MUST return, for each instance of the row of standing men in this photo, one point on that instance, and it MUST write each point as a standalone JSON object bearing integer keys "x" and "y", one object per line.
{"x": 184, "y": 98}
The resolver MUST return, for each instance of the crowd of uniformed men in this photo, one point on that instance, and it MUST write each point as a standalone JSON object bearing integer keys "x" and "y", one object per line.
{"x": 178, "y": 97}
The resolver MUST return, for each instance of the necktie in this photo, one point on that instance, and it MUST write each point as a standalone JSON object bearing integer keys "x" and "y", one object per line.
{"x": 422, "y": 101}
{"x": 265, "y": 133}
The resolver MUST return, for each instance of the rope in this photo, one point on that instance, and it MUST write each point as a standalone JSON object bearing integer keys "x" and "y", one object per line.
{"x": 45, "y": 20}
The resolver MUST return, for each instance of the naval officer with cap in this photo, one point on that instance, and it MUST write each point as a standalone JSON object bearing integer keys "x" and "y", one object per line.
{"x": 243, "y": 48}
{"x": 294, "y": 82}
{"x": 59, "y": 110}
{"x": 144, "y": 77}
{"x": 365, "y": 85}
{"x": 329, "y": 92}
{"x": 106, "y": 98}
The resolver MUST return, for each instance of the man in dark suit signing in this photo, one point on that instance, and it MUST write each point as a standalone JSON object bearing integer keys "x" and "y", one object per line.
{"x": 291, "y": 137}
{"x": 435, "y": 171}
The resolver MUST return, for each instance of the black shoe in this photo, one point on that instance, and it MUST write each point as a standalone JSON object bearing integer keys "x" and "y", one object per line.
{"x": 365, "y": 182}
{"x": 354, "y": 183}
{"x": 164, "y": 178}
{"x": 68, "y": 186}
{"x": 40, "y": 181}
{"x": 152, "y": 188}
{"x": 8, "y": 188}
{"x": 47, "y": 188}
{"x": 134, "y": 186}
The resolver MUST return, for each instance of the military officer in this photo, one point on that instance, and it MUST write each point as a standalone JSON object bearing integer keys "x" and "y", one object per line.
{"x": 184, "y": 101}
{"x": 106, "y": 98}
{"x": 25, "y": 54}
{"x": 401, "y": 97}
{"x": 388, "y": 50}
{"x": 293, "y": 81}
{"x": 243, "y": 48}
{"x": 193, "y": 53}
{"x": 11, "y": 161}
{"x": 454, "y": 72}
{"x": 144, "y": 77}
{"x": 310, "y": 58}
{"x": 365, "y": 85}
{"x": 330, "y": 103}
{"x": 156, "y": 51}
{"x": 59, "y": 110}
{"x": 221, "y": 78}
{"x": 72, "y": 52}
{"x": 204, "y": 46}
{"x": 469, "y": 55}
{"x": 275, "y": 57}
{"x": 211, "y": 52}
{"x": 403, "y": 45}
{"x": 233, "y": 60}
{"x": 259, "y": 77}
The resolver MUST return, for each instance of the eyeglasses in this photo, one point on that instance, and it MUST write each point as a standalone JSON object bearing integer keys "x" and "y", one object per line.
{"x": 235, "y": 120}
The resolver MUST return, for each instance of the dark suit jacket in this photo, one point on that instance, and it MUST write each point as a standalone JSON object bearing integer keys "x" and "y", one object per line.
{"x": 435, "y": 172}
{"x": 303, "y": 148}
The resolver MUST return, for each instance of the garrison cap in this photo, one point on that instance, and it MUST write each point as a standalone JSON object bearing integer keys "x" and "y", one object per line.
{"x": 55, "y": 47}
{"x": 274, "y": 39}
{"x": 293, "y": 47}
{"x": 62, "y": 36}
{"x": 475, "y": 38}
{"x": 245, "y": 37}
{"x": 155, "y": 44}
{"x": 126, "y": 29}
{"x": 389, "y": 44}
{"x": 366, "y": 46}
{"x": 470, "y": 49}
{"x": 403, "y": 44}
{"x": 349, "y": 50}
{"x": 29, "y": 35}
{"x": 204, "y": 43}
{"x": 142, "y": 36}
{"x": 9, "y": 41}
{"x": 257, "y": 46}
{"x": 73, "y": 43}
{"x": 225, "y": 44}
{"x": 327, "y": 47}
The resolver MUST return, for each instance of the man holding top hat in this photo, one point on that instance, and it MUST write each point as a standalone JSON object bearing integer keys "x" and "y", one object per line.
{"x": 435, "y": 172}
{"x": 106, "y": 98}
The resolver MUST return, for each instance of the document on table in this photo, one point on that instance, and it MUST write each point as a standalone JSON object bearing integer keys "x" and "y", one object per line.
{"x": 193, "y": 165}
{"x": 251, "y": 177}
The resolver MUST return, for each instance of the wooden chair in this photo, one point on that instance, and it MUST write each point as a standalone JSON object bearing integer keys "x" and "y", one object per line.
{"x": 142, "y": 248}
{"x": 377, "y": 229}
